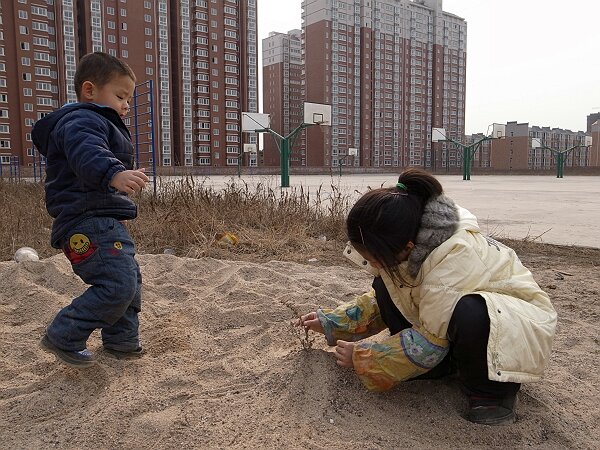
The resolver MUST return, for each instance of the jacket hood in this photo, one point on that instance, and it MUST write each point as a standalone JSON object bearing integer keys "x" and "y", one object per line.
{"x": 466, "y": 220}
{"x": 43, "y": 127}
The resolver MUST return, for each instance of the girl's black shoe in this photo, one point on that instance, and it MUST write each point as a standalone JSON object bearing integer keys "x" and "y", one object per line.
{"x": 492, "y": 411}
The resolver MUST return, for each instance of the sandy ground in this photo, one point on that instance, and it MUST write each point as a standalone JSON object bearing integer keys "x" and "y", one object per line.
{"x": 224, "y": 368}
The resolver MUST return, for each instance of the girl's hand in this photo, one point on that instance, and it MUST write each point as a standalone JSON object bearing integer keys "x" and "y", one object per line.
{"x": 343, "y": 354}
{"x": 310, "y": 321}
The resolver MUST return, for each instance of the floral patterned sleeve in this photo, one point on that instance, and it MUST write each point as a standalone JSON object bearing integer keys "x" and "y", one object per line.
{"x": 352, "y": 321}
{"x": 403, "y": 356}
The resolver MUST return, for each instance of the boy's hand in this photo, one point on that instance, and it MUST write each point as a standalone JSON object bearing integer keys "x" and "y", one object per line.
{"x": 343, "y": 354}
{"x": 129, "y": 181}
{"x": 310, "y": 321}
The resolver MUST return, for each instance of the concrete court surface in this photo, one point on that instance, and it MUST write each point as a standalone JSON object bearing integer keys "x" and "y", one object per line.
{"x": 545, "y": 208}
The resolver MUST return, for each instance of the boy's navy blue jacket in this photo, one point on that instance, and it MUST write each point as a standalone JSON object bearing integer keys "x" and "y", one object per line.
{"x": 85, "y": 145}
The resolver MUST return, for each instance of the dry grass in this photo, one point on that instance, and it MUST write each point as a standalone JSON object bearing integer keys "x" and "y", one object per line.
{"x": 25, "y": 222}
{"x": 187, "y": 217}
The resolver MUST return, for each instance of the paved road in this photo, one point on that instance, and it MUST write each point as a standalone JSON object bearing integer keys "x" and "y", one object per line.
{"x": 552, "y": 210}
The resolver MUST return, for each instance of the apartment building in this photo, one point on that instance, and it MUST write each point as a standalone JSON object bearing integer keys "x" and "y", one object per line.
{"x": 392, "y": 70}
{"x": 591, "y": 119}
{"x": 33, "y": 71}
{"x": 214, "y": 68}
{"x": 282, "y": 92}
{"x": 594, "y": 150}
{"x": 201, "y": 56}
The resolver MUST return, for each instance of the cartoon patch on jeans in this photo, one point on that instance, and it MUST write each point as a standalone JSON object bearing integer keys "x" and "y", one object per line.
{"x": 78, "y": 248}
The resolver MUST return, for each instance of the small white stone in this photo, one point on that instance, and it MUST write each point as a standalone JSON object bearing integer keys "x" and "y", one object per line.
{"x": 26, "y": 254}
{"x": 331, "y": 421}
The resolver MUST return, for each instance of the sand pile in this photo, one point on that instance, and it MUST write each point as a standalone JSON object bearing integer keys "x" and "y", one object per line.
{"x": 225, "y": 369}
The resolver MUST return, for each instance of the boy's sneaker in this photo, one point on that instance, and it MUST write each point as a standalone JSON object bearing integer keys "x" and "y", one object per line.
{"x": 121, "y": 353}
{"x": 492, "y": 411}
{"x": 76, "y": 359}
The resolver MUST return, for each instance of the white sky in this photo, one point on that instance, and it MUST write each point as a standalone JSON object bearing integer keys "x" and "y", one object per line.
{"x": 535, "y": 61}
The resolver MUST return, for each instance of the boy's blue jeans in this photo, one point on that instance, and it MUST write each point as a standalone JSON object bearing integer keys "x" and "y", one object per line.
{"x": 102, "y": 253}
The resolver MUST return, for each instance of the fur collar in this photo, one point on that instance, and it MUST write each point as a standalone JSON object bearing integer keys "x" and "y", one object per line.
{"x": 438, "y": 223}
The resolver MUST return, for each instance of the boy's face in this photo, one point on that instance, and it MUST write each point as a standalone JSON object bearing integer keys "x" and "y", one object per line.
{"x": 115, "y": 94}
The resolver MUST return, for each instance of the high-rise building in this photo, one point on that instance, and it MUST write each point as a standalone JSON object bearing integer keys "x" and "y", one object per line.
{"x": 214, "y": 69}
{"x": 591, "y": 119}
{"x": 594, "y": 150}
{"x": 282, "y": 92}
{"x": 392, "y": 70}
{"x": 33, "y": 71}
{"x": 201, "y": 56}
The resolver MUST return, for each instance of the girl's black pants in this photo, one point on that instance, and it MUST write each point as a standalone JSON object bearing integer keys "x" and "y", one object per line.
{"x": 468, "y": 333}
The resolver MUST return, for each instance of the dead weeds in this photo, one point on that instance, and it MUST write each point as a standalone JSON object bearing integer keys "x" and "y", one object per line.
{"x": 186, "y": 217}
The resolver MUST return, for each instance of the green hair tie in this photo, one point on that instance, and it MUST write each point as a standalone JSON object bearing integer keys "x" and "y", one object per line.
{"x": 401, "y": 186}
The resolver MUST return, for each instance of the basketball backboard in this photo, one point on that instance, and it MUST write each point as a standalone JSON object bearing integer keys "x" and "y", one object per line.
{"x": 438, "y": 134}
{"x": 536, "y": 143}
{"x": 588, "y": 141}
{"x": 249, "y": 148}
{"x": 317, "y": 114}
{"x": 254, "y": 122}
{"x": 498, "y": 130}
{"x": 352, "y": 152}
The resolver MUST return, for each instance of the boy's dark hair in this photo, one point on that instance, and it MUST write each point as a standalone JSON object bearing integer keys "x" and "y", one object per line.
{"x": 99, "y": 68}
{"x": 384, "y": 220}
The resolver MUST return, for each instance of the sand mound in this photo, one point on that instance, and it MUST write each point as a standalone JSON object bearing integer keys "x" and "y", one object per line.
{"x": 225, "y": 369}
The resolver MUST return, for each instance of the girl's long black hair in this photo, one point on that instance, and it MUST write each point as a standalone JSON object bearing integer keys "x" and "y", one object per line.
{"x": 383, "y": 221}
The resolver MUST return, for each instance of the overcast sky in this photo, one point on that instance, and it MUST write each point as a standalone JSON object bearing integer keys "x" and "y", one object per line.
{"x": 535, "y": 61}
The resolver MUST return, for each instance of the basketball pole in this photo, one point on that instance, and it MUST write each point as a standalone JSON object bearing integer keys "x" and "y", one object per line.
{"x": 559, "y": 155}
{"x": 285, "y": 149}
{"x": 320, "y": 115}
{"x": 468, "y": 150}
{"x": 284, "y": 144}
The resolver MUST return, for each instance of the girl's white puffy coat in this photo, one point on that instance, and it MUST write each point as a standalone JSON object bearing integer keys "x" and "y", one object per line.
{"x": 522, "y": 319}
